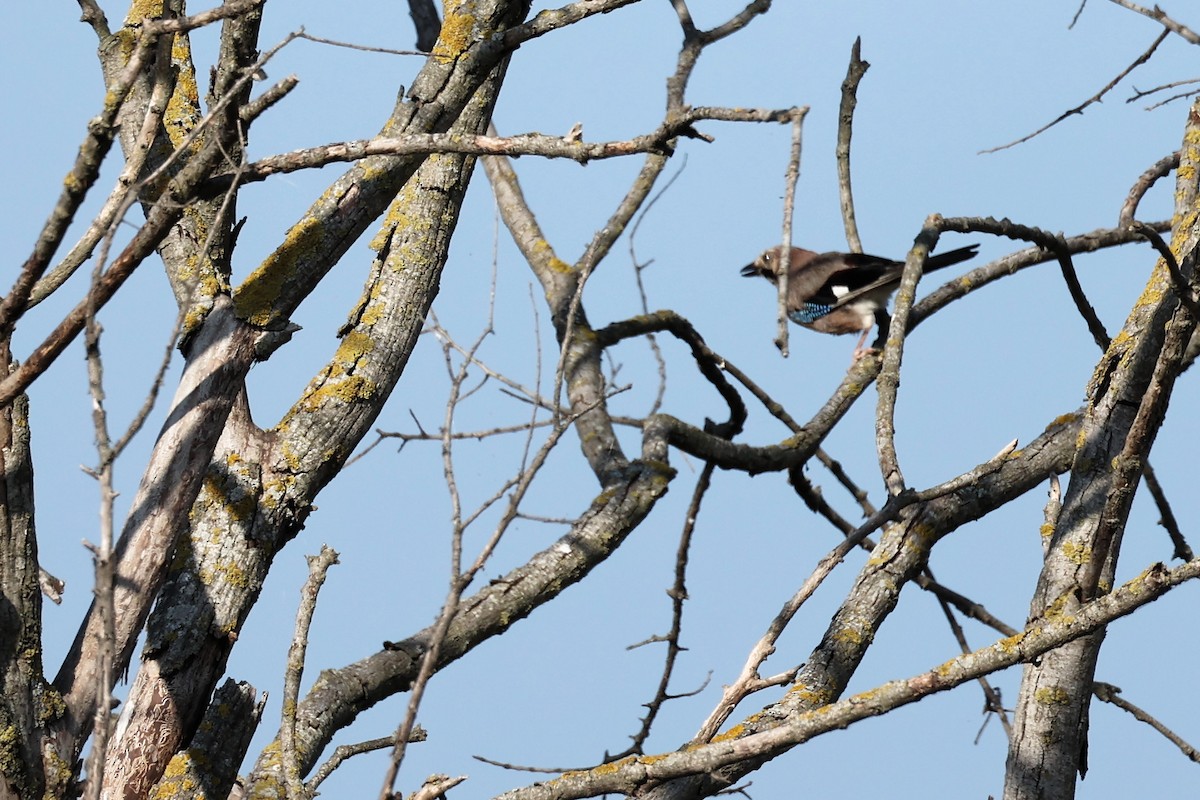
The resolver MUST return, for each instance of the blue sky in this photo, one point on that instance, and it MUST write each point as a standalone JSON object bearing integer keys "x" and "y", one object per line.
{"x": 947, "y": 80}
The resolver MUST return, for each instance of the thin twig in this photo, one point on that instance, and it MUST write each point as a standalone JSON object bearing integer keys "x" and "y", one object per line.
{"x": 127, "y": 187}
{"x": 854, "y": 75}
{"x": 1078, "y": 13}
{"x": 991, "y": 695}
{"x": 1051, "y": 512}
{"x": 791, "y": 177}
{"x": 365, "y": 48}
{"x": 1138, "y": 94}
{"x": 1172, "y": 99}
{"x": 888, "y": 381}
{"x": 102, "y": 556}
{"x": 1186, "y": 296}
{"x": 748, "y": 680}
{"x": 143, "y": 413}
{"x": 436, "y": 786}
{"x": 345, "y": 751}
{"x": 318, "y": 567}
{"x": 1160, "y": 16}
{"x": 462, "y": 578}
{"x": 429, "y": 659}
{"x": 1096, "y": 98}
{"x": 678, "y": 594}
{"x": 1111, "y": 694}
{"x": 1167, "y": 519}
{"x": 1160, "y": 169}
{"x": 1052, "y": 244}
{"x": 638, "y": 267}
{"x": 478, "y": 435}
{"x": 529, "y": 768}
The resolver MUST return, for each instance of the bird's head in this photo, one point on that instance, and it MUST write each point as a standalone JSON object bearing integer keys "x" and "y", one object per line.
{"x": 767, "y": 264}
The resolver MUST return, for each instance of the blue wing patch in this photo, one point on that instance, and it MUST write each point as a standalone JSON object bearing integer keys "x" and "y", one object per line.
{"x": 809, "y": 313}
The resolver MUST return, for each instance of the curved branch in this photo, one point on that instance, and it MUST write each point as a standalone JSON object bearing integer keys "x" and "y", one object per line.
{"x": 1159, "y": 169}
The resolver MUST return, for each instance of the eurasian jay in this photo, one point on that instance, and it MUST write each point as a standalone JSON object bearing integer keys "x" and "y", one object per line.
{"x": 843, "y": 292}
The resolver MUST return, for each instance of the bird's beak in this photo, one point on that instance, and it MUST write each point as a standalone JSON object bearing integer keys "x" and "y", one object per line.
{"x": 751, "y": 271}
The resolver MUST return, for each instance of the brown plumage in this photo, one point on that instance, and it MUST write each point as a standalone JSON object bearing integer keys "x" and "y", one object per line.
{"x": 843, "y": 292}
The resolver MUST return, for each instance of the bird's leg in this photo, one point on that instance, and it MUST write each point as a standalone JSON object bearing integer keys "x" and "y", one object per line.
{"x": 860, "y": 351}
{"x": 883, "y": 321}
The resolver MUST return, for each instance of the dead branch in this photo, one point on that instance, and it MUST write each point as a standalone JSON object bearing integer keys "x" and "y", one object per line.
{"x": 1112, "y": 694}
{"x": 318, "y": 568}
{"x": 854, "y": 75}
{"x": 1160, "y": 16}
{"x": 1147, "y": 179}
{"x": 791, "y": 176}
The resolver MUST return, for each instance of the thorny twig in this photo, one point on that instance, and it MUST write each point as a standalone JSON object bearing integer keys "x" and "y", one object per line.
{"x": 678, "y": 595}
{"x": 1138, "y": 94}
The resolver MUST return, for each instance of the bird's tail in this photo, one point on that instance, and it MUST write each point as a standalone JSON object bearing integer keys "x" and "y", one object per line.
{"x": 951, "y": 257}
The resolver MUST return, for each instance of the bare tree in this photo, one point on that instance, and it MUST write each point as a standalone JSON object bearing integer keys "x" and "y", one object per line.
{"x": 222, "y": 495}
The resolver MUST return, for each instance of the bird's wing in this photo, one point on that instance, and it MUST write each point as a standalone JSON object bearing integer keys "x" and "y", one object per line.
{"x": 890, "y": 272}
{"x": 831, "y": 277}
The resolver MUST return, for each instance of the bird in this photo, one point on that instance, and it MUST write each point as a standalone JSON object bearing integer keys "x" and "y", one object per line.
{"x": 843, "y": 292}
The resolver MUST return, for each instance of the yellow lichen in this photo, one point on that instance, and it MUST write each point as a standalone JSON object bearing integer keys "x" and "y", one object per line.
{"x": 848, "y": 636}
{"x": 51, "y": 706}
{"x": 141, "y": 9}
{"x": 1010, "y": 644}
{"x": 183, "y": 107}
{"x": 292, "y": 458}
{"x": 733, "y": 733}
{"x": 455, "y": 35}
{"x": 1076, "y": 553}
{"x": 1059, "y": 609}
{"x": 58, "y": 770}
{"x": 347, "y": 389}
{"x": 179, "y": 777}
{"x": 813, "y": 698}
{"x": 1052, "y": 695}
{"x": 1062, "y": 420}
{"x": 232, "y": 574}
{"x": 354, "y": 346}
{"x": 256, "y": 298}
{"x": 651, "y": 759}
{"x": 10, "y": 750}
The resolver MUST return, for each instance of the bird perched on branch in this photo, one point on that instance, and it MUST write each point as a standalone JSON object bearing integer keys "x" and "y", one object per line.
{"x": 843, "y": 292}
